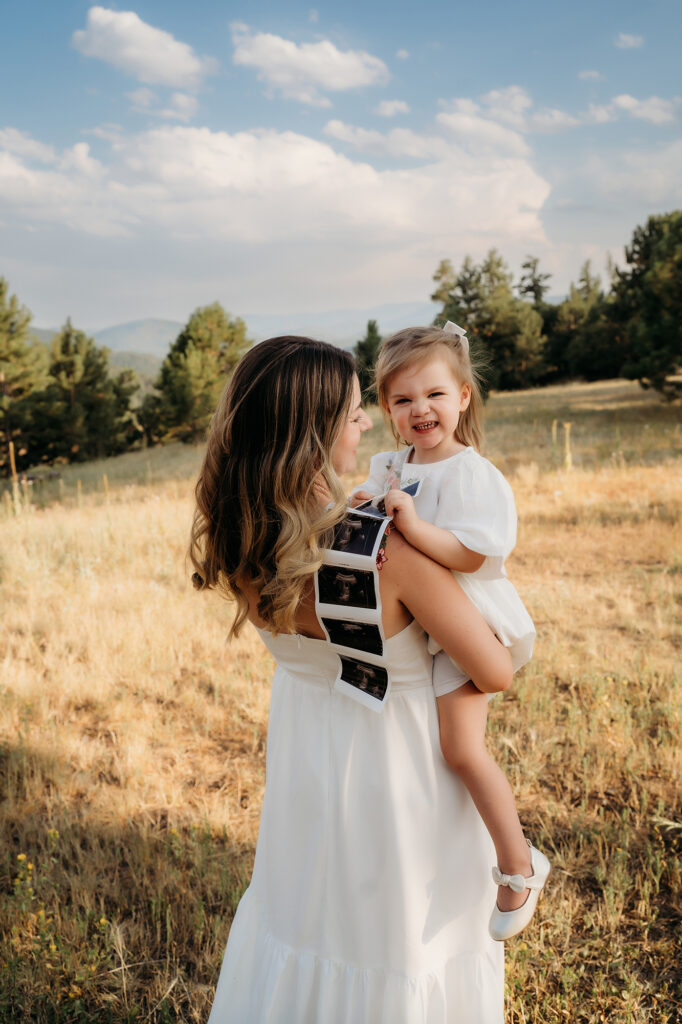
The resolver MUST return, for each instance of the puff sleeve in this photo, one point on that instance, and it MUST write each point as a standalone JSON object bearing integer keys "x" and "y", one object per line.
{"x": 477, "y": 505}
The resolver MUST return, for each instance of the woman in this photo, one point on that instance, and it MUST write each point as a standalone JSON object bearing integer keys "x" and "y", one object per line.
{"x": 371, "y": 890}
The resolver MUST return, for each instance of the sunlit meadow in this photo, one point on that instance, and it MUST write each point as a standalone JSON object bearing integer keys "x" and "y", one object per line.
{"x": 132, "y": 737}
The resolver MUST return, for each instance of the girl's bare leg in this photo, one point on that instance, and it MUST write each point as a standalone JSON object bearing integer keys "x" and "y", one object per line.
{"x": 463, "y": 714}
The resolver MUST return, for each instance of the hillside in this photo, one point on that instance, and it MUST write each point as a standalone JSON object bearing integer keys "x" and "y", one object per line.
{"x": 152, "y": 337}
{"x": 133, "y": 738}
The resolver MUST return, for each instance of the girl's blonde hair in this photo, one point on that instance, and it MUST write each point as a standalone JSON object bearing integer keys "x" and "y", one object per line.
{"x": 258, "y": 519}
{"x": 415, "y": 345}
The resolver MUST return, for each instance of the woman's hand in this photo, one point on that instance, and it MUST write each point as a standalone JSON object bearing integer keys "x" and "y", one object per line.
{"x": 359, "y": 497}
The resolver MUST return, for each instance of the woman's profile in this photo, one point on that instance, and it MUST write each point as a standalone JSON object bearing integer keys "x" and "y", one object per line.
{"x": 371, "y": 885}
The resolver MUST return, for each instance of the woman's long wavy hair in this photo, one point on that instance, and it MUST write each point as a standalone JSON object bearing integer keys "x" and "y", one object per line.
{"x": 258, "y": 518}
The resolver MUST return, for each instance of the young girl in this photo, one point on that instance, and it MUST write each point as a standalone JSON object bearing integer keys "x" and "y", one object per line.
{"x": 463, "y": 517}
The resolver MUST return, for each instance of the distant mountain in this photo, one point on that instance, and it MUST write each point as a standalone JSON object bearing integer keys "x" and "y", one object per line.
{"x": 152, "y": 338}
{"x": 42, "y": 334}
{"x": 140, "y": 338}
{"x": 341, "y": 326}
{"x": 144, "y": 365}
{"x": 148, "y": 337}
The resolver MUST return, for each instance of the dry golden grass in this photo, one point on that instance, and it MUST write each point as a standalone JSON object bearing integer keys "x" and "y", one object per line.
{"x": 132, "y": 738}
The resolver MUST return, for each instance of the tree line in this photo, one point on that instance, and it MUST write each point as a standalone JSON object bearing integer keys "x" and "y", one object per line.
{"x": 632, "y": 329}
{"x": 61, "y": 402}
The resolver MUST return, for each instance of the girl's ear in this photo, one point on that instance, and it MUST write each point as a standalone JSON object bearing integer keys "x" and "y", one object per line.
{"x": 464, "y": 397}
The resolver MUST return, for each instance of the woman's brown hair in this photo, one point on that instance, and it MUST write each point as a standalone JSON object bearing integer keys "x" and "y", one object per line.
{"x": 258, "y": 519}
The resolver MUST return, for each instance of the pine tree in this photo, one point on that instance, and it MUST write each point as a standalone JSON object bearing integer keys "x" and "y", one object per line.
{"x": 460, "y": 293}
{"x": 22, "y": 371}
{"x": 505, "y": 332}
{"x": 83, "y": 413}
{"x": 193, "y": 375}
{"x": 647, "y": 307}
{"x": 509, "y": 328}
{"x": 533, "y": 285}
{"x": 366, "y": 352}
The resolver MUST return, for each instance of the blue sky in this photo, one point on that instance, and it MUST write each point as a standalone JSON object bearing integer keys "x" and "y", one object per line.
{"x": 158, "y": 156}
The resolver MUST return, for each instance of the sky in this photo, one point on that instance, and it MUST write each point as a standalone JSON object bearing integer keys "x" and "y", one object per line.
{"x": 277, "y": 157}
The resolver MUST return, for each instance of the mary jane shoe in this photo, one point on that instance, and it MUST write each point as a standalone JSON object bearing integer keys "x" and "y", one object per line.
{"x": 505, "y": 923}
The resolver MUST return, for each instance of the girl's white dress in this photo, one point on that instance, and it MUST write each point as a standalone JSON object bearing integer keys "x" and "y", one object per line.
{"x": 371, "y": 887}
{"x": 467, "y": 495}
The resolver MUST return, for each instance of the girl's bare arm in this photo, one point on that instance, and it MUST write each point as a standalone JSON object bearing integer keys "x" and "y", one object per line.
{"x": 439, "y": 544}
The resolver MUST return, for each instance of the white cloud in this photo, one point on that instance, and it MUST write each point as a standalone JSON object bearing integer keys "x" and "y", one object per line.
{"x": 503, "y": 116}
{"x": 389, "y": 108}
{"x": 508, "y": 105}
{"x": 478, "y": 134}
{"x": 302, "y": 71}
{"x": 72, "y": 194}
{"x": 653, "y": 109}
{"x": 109, "y": 131}
{"x": 313, "y": 16}
{"x": 550, "y": 120}
{"x": 591, "y": 76}
{"x": 650, "y": 180}
{"x": 276, "y": 187}
{"x": 399, "y": 142}
{"x": 402, "y": 54}
{"x": 78, "y": 159}
{"x": 627, "y": 42}
{"x": 149, "y": 54}
{"x": 513, "y": 107}
{"x": 21, "y": 144}
{"x": 142, "y": 99}
{"x": 599, "y": 114}
{"x": 182, "y": 106}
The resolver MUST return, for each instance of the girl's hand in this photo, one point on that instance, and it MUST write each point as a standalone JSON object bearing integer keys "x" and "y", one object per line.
{"x": 358, "y": 498}
{"x": 401, "y": 507}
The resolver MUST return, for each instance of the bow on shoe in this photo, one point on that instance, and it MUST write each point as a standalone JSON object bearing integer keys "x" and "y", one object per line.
{"x": 517, "y": 883}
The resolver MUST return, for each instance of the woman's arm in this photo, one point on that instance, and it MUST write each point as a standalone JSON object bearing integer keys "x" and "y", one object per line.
{"x": 435, "y": 599}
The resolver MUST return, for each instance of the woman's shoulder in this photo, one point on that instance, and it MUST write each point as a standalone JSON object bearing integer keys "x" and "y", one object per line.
{"x": 401, "y": 562}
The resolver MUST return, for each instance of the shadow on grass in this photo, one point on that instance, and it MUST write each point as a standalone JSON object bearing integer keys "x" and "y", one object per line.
{"x": 102, "y": 923}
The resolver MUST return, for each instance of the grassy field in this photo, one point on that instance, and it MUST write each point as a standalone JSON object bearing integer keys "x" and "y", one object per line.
{"x": 132, "y": 738}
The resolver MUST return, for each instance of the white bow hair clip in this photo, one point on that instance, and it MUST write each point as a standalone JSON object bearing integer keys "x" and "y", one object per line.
{"x": 460, "y": 333}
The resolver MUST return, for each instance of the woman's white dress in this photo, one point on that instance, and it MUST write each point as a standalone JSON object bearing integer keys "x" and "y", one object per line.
{"x": 371, "y": 888}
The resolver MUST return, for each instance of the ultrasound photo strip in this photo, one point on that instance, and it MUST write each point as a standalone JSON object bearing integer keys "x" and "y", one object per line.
{"x": 356, "y": 539}
{"x": 346, "y": 587}
{"x": 348, "y": 605}
{"x": 358, "y": 636}
{"x": 376, "y": 506}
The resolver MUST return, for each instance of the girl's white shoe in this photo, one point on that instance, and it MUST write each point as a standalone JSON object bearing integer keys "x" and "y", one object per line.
{"x": 505, "y": 923}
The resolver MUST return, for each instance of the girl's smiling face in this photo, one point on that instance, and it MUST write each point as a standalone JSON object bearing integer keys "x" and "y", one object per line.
{"x": 424, "y": 403}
